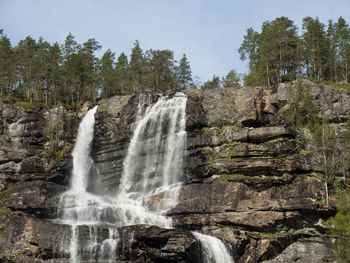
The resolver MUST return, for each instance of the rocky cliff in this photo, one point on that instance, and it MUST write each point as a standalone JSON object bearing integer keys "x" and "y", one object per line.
{"x": 251, "y": 179}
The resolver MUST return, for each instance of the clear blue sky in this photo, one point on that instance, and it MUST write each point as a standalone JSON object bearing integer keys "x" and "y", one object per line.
{"x": 209, "y": 32}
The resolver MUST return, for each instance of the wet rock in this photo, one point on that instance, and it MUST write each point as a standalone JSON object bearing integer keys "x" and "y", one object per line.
{"x": 27, "y": 239}
{"x": 39, "y": 198}
{"x": 114, "y": 118}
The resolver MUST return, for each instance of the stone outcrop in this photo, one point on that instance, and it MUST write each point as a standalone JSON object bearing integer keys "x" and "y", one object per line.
{"x": 24, "y": 140}
{"x": 27, "y": 239}
{"x": 251, "y": 180}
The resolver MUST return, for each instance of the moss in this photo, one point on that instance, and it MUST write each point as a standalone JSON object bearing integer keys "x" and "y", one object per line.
{"x": 5, "y": 211}
{"x": 59, "y": 156}
{"x": 6, "y": 194}
{"x": 103, "y": 107}
{"x": 206, "y": 150}
{"x": 20, "y": 102}
{"x": 206, "y": 130}
{"x": 27, "y": 105}
{"x": 279, "y": 233}
{"x": 220, "y": 123}
{"x": 309, "y": 177}
{"x": 227, "y": 177}
{"x": 304, "y": 152}
{"x": 338, "y": 85}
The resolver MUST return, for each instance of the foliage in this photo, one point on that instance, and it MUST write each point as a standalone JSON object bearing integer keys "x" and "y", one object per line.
{"x": 339, "y": 226}
{"x": 184, "y": 74}
{"x": 58, "y": 156}
{"x": 52, "y": 74}
{"x": 53, "y": 134}
{"x": 232, "y": 79}
{"x": 212, "y": 84}
{"x": 300, "y": 111}
{"x": 279, "y": 54}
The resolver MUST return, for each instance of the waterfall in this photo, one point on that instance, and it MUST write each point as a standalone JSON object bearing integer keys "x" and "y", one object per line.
{"x": 152, "y": 175}
{"x": 213, "y": 249}
{"x": 82, "y": 162}
{"x": 153, "y": 167}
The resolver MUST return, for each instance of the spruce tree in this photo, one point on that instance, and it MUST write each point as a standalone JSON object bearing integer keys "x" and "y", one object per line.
{"x": 122, "y": 74}
{"x": 231, "y": 80}
{"x": 107, "y": 73}
{"x": 137, "y": 66}
{"x": 184, "y": 75}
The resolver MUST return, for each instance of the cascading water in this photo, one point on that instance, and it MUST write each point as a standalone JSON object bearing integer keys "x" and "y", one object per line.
{"x": 213, "y": 249}
{"x": 153, "y": 166}
{"x": 151, "y": 179}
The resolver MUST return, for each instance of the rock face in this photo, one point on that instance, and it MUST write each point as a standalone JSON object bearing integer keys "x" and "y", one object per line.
{"x": 251, "y": 180}
{"x": 25, "y": 150}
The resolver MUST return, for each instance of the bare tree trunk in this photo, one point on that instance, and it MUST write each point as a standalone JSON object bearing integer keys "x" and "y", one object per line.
{"x": 335, "y": 70}
{"x": 325, "y": 160}
{"x": 346, "y": 70}
{"x": 327, "y": 196}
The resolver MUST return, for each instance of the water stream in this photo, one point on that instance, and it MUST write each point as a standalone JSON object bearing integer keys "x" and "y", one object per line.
{"x": 152, "y": 175}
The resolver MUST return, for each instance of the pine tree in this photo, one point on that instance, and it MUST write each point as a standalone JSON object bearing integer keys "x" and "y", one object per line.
{"x": 123, "y": 81}
{"x": 25, "y": 52}
{"x": 107, "y": 73}
{"x": 7, "y": 66}
{"x": 70, "y": 46}
{"x": 273, "y": 54}
{"x": 315, "y": 47}
{"x": 89, "y": 81}
{"x": 212, "y": 84}
{"x": 332, "y": 66}
{"x": 342, "y": 36}
{"x": 161, "y": 74}
{"x": 184, "y": 75}
{"x": 137, "y": 66}
{"x": 231, "y": 80}
{"x": 53, "y": 72}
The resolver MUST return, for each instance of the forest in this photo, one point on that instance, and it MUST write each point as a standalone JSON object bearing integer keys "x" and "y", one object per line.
{"x": 52, "y": 73}
{"x": 278, "y": 53}
{"x": 38, "y": 71}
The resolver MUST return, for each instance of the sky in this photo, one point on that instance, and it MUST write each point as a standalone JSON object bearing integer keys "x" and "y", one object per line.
{"x": 209, "y": 32}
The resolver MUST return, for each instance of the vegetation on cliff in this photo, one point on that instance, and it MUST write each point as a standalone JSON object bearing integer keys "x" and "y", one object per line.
{"x": 36, "y": 70}
{"x": 279, "y": 54}
{"x": 340, "y": 227}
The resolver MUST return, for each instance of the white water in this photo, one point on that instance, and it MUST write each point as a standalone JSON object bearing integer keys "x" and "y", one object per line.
{"x": 82, "y": 162}
{"x": 150, "y": 183}
{"x": 213, "y": 249}
{"x": 153, "y": 167}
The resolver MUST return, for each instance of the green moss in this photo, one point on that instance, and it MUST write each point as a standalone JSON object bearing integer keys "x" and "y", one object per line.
{"x": 338, "y": 85}
{"x": 304, "y": 152}
{"x": 59, "y": 156}
{"x": 53, "y": 135}
{"x": 206, "y": 150}
{"x": 220, "y": 123}
{"x": 2, "y": 225}
{"x": 20, "y": 102}
{"x": 103, "y": 107}
{"x": 206, "y": 130}
{"x": 6, "y": 194}
{"x": 227, "y": 177}
{"x": 278, "y": 233}
{"x": 5, "y": 211}
{"x": 309, "y": 177}
{"x": 27, "y": 105}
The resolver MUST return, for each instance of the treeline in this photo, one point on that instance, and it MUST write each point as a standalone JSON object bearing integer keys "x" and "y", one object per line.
{"x": 38, "y": 71}
{"x": 278, "y": 53}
